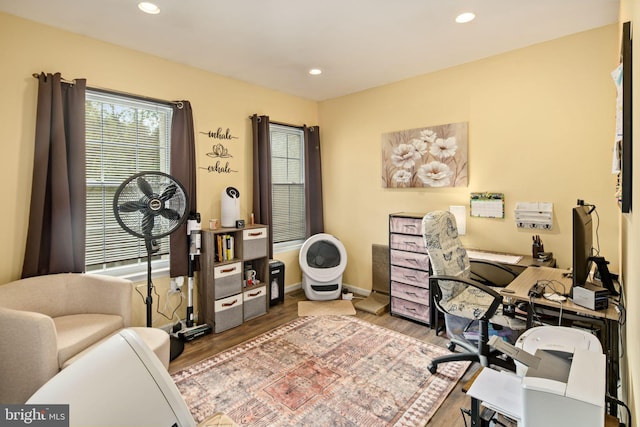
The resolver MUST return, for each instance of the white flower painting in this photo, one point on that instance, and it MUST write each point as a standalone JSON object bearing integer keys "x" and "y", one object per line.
{"x": 435, "y": 156}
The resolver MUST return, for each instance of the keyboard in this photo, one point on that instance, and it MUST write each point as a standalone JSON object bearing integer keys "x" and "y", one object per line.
{"x": 490, "y": 256}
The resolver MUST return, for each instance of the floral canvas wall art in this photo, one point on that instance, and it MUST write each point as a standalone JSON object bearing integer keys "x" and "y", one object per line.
{"x": 434, "y": 156}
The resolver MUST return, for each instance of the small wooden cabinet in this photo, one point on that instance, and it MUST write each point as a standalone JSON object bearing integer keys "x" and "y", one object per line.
{"x": 409, "y": 268}
{"x": 229, "y": 257}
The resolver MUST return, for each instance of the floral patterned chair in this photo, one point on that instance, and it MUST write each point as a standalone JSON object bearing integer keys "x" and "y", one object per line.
{"x": 472, "y": 310}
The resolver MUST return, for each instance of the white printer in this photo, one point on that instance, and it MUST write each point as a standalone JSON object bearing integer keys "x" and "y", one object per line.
{"x": 562, "y": 380}
{"x": 559, "y": 338}
{"x": 566, "y": 389}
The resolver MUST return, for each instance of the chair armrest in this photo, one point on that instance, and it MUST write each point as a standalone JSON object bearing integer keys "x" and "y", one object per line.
{"x": 489, "y": 267}
{"x": 436, "y": 290}
{"x": 28, "y": 354}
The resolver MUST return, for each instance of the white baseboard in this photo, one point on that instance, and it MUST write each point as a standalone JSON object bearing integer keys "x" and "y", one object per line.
{"x": 351, "y": 288}
{"x": 291, "y": 288}
{"x": 356, "y": 290}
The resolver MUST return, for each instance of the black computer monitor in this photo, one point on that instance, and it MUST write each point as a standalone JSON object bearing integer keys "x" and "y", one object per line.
{"x": 582, "y": 244}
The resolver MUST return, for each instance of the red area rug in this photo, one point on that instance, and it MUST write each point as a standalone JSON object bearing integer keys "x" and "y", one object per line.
{"x": 322, "y": 371}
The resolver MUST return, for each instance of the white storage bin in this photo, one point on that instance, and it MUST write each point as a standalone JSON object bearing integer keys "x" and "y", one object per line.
{"x": 254, "y": 243}
{"x": 228, "y": 313}
{"x": 228, "y": 279}
{"x": 255, "y": 302}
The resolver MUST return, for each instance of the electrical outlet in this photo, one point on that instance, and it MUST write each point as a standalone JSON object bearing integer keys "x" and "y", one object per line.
{"x": 176, "y": 284}
{"x": 179, "y": 282}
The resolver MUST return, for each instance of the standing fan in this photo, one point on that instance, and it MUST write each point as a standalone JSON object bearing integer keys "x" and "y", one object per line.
{"x": 150, "y": 205}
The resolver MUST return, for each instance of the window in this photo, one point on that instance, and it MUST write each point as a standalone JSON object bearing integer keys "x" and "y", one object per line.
{"x": 123, "y": 136}
{"x": 287, "y": 184}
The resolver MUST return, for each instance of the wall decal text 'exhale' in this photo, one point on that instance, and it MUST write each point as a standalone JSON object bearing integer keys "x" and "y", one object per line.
{"x": 219, "y": 168}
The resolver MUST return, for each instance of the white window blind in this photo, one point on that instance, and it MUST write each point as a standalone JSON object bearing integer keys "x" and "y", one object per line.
{"x": 124, "y": 136}
{"x": 287, "y": 183}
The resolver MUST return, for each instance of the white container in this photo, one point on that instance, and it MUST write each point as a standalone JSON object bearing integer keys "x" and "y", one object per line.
{"x": 230, "y": 207}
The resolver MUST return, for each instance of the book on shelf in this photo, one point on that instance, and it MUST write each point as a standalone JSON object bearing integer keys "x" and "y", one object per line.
{"x": 225, "y": 247}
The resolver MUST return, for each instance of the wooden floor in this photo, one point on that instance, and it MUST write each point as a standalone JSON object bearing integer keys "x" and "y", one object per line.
{"x": 448, "y": 415}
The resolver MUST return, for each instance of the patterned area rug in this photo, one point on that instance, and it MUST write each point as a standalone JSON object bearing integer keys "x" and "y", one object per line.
{"x": 322, "y": 371}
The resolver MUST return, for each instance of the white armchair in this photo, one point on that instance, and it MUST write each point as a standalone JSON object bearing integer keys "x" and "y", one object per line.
{"x": 47, "y": 321}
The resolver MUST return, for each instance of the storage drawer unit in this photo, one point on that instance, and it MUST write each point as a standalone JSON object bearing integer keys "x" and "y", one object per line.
{"x": 405, "y": 242}
{"x": 410, "y": 309}
{"x": 409, "y": 259}
{"x": 254, "y": 302}
{"x": 228, "y": 279}
{"x": 409, "y": 269}
{"x": 254, "y": 243}
{"x": 410, "y": 293}
{"x": 228, "y": 313}
{"x": 410, "y": 276}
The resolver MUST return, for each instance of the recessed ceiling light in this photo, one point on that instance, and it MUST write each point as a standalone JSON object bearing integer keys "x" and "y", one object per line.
{"x": 465, "y": 17}
{"x": 149, "y": 8}
{"x": 315, "y": 71}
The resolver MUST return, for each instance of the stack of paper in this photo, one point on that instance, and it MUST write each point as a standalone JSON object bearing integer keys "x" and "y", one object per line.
{"x": 500, "y": 391}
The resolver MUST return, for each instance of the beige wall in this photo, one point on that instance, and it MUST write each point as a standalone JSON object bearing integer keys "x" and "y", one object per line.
{"x": 541, "y": 121}
{"x": 217, "y": 102}
{"x": 630, "y": 246}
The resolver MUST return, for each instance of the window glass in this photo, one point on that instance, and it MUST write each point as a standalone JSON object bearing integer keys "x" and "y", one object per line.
{"x": 287, "y": 175}
{"x": 124, "y": 136}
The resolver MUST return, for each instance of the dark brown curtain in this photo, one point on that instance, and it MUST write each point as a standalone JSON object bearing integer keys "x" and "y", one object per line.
{"x": 314, "y": 214}
{"x": 262, "y": 174}
{"x": 183, "y": 168}
{"x": 56, "y": 234}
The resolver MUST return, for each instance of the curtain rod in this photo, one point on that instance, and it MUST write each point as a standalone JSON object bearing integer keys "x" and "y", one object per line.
{"x": 179, "y": 104}
{"x": 282, "y": 123}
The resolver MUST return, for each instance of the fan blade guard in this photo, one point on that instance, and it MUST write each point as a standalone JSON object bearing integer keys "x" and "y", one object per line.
{"x": 150, "y": 205}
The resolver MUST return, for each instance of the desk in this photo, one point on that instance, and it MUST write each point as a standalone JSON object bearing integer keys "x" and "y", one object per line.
{"x": 607, "y": 320}
{"x": 518, "y": 289}
{"x": 524, "y": 261}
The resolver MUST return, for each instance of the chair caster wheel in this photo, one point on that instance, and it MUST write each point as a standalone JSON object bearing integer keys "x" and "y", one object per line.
{"x": 432, "y": 368}
{"x": 451, "y": 346}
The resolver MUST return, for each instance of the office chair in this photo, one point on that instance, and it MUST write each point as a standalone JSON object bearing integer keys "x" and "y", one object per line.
{"x": 470, "y": 308}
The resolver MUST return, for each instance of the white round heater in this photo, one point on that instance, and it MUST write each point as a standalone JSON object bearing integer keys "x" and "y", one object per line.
{"x": 323, "y": 259}
{"x": 230, "y": 207}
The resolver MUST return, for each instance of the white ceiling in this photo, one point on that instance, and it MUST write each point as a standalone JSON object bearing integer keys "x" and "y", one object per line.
{"x": 358, "y": 44}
